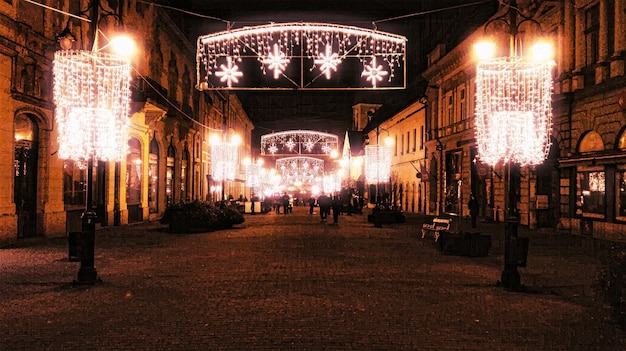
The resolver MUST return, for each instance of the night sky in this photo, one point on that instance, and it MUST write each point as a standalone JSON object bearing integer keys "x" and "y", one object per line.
{"x": 329, "y": 111}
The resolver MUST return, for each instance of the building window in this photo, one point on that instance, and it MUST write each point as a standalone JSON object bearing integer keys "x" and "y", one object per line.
{"x": 153, "y": 176}
{"x": 450, "y": 110}
{"x": 402, "y": 145}
{"x": 408, "y": 142}
{"x": 422, "y": 138}
{"x": 170, "y": 163}
{"x": 592, "y": 34}
{"x": 415, "y": 139}
{"x": 395, "y": 148}
{"x": 462, "y": 105}
{"x": 133, "y": 172}
{"x": 74, "y": 182}
{"x": 184, "y": 175}
{"x": 590, "y": 193}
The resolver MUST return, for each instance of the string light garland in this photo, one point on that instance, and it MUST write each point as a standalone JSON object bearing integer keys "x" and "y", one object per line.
{"x": 319, "y": 49}
{"x": 377, "y": 163}
{"x": 513, "y": 110}
{"x": 92, "y": 96}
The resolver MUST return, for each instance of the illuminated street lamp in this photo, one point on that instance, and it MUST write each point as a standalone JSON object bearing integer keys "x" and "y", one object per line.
{"x": 513, "y": 121}
{"x": 92, "y": 96}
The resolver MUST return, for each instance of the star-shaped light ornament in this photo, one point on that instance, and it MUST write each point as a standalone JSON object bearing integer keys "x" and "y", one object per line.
{"x": 328, "y": 61}
{"x": 230, "y": 73}
{"x": 276, "y": 61}
{"x": 308, "y": 145}
{"x": 272, "y": 149}
{"x": 290, "y": 144}
{"x": 374, "y": 72}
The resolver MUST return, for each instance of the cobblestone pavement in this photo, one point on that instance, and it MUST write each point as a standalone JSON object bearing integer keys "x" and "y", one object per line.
{"x": 289, "y": 282}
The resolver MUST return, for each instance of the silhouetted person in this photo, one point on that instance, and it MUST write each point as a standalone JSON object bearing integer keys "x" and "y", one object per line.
{"x": 285, "y": 199}
{"x": 311, "y": 204}
{"x": 324, "y": 202}
{"x": 472, "y": 204}
{"x": 336, "y": 205}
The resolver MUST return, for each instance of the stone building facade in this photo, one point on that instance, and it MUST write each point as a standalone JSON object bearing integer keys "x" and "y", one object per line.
{"x": 168, "y": 156}
{"x": 580, "y": 187}
{"x": 408, "y": 176}
{"x": 451, "y": 148}
{"x": 590, "y": 116}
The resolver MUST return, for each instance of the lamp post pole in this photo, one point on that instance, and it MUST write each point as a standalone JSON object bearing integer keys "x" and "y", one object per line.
{"x": 508, "y": 78}
{"x": 87, "y": 274}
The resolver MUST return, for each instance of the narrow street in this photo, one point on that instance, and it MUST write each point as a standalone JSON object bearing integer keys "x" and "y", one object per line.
{"x": 290, "y": 282}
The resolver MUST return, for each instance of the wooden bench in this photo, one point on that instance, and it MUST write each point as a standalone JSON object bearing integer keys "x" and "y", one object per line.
{"x": 438, "y": 225}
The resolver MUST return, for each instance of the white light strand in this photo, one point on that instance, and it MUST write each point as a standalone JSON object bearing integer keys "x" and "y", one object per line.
{"x": 513, "y": 110}
{"x": 92, "y": 96}
{"x": 224, "y": 161}
{"x": 377, "y": 163}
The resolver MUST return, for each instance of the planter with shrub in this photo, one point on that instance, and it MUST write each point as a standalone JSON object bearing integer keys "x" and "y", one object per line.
{"x": 200, "y": 216}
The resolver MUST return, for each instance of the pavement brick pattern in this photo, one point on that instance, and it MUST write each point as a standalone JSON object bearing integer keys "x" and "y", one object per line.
{"x": 289, "y": 282}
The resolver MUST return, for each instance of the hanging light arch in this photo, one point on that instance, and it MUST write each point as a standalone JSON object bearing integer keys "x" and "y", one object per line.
{"x": 301, "y": 55}
{"x": 299, "y": 142}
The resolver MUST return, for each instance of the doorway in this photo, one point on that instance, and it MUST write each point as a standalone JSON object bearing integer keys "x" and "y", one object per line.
{"x": 25, "y": 179}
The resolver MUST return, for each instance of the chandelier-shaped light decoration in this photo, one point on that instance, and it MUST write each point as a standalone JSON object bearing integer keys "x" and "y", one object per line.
{"x": 513, "y": 110}
{"x": 300, "y": 169}
{"x": 298, "y": 142}
{"x": 377, "y": 163}
{"x": 331, "y": 183}
{"x": 224, "y": 161}
{"x": 253, "y": 175}
{"x": 301, "y": 56}
{"x": 92, "y": 95}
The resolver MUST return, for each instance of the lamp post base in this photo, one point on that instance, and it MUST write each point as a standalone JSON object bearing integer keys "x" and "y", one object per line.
{"x": 87, "y": 274}
{"x": 510, "y": 278}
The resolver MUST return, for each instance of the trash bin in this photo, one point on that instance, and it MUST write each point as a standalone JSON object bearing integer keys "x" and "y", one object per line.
{"x": 74, "y": 245}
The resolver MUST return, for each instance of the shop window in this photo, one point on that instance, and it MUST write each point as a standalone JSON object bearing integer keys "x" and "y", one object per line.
{"x": 153, "y": 176}
{"x": 590, "y": 192}
{"x": 133, "y": 172}
{"x": 169, "y": 174}
{"x": 74, "y": 182}
{"x": 621, "y": 195}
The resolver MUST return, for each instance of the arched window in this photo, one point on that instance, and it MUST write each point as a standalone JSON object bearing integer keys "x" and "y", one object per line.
{"x": 591, "y": 141}
{"x": 621, "y": 142}
{"x": 184, "y": 174}
{"x": 169, "y": 174}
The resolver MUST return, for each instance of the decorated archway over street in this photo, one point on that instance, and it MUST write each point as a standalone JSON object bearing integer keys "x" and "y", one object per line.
{"x": 303, "y": 56}
{"x": 299, "y": 142}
